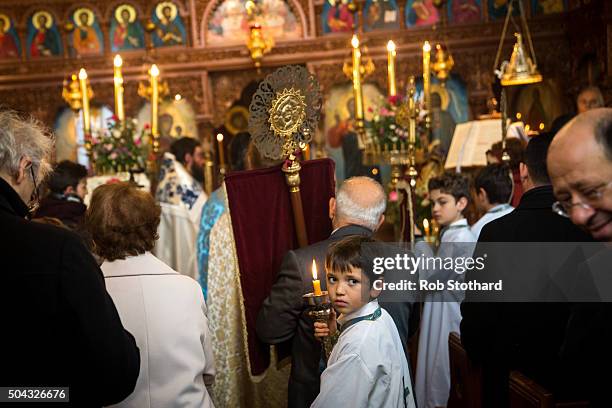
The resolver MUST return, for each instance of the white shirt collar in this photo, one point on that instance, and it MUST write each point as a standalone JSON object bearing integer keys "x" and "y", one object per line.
{"x": 364, "y": 310}
{"x": 457, "y": 223}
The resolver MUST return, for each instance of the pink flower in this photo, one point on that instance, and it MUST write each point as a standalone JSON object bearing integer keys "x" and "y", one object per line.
{"x": 112, "y": 156}
{"x": 108, "y": 147}
{"x": 146, "y": 126}
{"x": 385, "y": 112}
{"x": 393, "y": 196}
{"x": 138, "y": 141}
{"x": 370, "y": 109}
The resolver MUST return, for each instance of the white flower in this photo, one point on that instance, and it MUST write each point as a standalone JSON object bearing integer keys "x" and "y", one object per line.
{"x": 116, "y": 133}
{"x": 392, "y": 126}
{"x": 135, "y": 122}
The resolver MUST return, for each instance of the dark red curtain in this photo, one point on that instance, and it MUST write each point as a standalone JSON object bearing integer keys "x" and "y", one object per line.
{"x": 262, "y": 220}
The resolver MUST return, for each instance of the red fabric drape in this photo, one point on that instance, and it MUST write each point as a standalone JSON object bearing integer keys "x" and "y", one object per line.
{"x": 262, "y": 221}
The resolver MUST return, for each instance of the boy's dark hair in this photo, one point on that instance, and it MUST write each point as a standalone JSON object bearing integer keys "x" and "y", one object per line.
{"x": 238, "y": 148}
{"x": 181, "y": 147}
{"x": 452, "y": 183}
{"x": 495, "y": 180}
{"x": 515, "y": 148}
{"x": 356, "y": 251}
{"x": 535, "y": 158}
{"x": 65, "y": 174}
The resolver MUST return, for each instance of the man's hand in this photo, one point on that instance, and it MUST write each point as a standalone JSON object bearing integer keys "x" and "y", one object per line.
{"x": 326, "y": 329}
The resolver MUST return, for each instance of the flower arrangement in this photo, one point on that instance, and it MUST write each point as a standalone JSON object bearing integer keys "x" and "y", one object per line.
{"x": 118, "y": 147}
{"x": 384, "y": 130}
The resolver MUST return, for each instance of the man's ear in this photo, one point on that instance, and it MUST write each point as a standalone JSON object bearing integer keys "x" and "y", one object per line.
{"x": 22, "y": 173}
{"x": 523, "y": 171}
{"x": 69, "y": 190}
{"x": 381, "y": 222}
{"x": 332, "y": 208}
{"x": 462, "y": 203}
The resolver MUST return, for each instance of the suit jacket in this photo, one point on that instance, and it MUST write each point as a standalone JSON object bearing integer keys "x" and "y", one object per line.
{"x": 60, "y": 326}
{"x": 283, "y": 316}
{"x": 521, "y": 336}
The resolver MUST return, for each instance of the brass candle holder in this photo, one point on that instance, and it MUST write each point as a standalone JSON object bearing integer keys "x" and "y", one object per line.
{"x": 319, "y": 309}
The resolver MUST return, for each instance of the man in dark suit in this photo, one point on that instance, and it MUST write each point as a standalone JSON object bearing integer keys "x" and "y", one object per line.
{"x": 512, "y": 335}
{"x": 60, "y": 327}
{"x": 580, "y": 165}
{"x": 357, "y": 210}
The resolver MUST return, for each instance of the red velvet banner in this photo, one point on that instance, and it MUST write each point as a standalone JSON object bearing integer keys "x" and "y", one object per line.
{"x": 262, "y": 220}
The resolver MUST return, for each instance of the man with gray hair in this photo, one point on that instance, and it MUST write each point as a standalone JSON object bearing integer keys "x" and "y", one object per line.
{"x": 357, "y": 209}
{"x": 60, "y": 326}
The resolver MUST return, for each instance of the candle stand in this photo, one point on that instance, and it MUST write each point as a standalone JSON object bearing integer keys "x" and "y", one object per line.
{"x": 319, "y": 309}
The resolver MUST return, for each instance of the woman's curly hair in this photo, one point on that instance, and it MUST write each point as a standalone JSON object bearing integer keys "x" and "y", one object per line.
{"x": 122, "y": 221}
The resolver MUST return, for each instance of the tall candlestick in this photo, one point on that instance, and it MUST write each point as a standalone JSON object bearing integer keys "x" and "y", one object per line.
{"x": 118, "y": 80}
{"x": 357, "y": 90}
{"x": 391, "y": 68}
{"x": 85, "y": 101}
{"x": 426, "y": 75}
{"x": 154, "y": 106}
{"x": 220, "y": 144}
{"x": 413, "y": 114}
{"x": 316, "y": 283}
{"x": 426, "y": 228}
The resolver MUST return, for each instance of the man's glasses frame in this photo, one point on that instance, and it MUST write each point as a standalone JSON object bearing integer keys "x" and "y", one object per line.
{"x": 564, "y": 208}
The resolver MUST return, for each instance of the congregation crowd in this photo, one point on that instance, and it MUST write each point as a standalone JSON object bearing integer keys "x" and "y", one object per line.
{"x": 85, "y": 304}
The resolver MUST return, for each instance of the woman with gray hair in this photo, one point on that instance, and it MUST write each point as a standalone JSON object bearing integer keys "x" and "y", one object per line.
{"x": 61, "y": 328}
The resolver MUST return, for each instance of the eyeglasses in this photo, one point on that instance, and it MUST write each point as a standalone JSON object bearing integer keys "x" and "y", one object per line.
{"x": 592, "y": 198}
{"x": 35, "y": 198}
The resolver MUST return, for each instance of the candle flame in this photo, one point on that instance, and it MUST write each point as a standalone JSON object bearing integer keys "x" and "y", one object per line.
{"x": 118, "y": 61}
{"x": 154, "y": 70}
{"x": 391, "y": 46}
{"x": 355, "y": 41}
{"x": 82, "y": 74}
{"x": 426, "y": 224}
{"x": 426, "y": 46}
{"x": 220, "y": 137}
{"x": 314, "y": 269}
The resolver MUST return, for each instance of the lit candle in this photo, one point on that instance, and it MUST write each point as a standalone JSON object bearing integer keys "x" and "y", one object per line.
{"x": 221, "y": 155}
{"x": 85, "y": 101}
{"x": 118, "y": 80}
{"x": 426, "y": 75}
{"x": 316, "y": 284}
{"x": 154, "y": 105}
{"x": 426, "y": 228}
{"x": 357, "y": 91}
{"x": 412, "y": 110}
{"x": 391, "y": 68}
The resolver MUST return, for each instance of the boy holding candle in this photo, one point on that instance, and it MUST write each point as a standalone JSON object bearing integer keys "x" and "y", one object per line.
{"x": 367, "y": 366}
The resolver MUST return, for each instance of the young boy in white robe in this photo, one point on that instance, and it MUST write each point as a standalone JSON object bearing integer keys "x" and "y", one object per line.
{"x": 367, "y": 366}
{"x": 449, "y": 195}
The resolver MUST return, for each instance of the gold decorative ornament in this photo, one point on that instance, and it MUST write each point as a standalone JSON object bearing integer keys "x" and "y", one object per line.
{"x": 284, "y": 111}
{"x": 284, "y": 115}
{"x": 38, "y": 15}
{"x": 287, "y": 112}
{"x": 258, "y": 44}
{"x": 7, "y": 22}
{"x": 522, "y": 69}
{"x": 443, "y": 63}
{"x": 129, "y": 8}
{"x": 237, "y": 119}
{"x": 71, "y": 93}
{"x": 76, "y": 16}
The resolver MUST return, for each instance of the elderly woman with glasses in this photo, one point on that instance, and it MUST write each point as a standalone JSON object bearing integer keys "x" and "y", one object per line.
{"x": 165, "y": 310}
{"x": 60, "y": 327}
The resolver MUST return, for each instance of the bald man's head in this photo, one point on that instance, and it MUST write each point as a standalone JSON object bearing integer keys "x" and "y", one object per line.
{"x": 580, "y": 167}
{"x": 361, "y": 201}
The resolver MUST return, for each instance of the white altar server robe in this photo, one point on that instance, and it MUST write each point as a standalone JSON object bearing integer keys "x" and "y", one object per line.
{"x": 438, "y": 320}
{"x": 166, "y": 313}
{"x": 367, "y": 367}
{"x": 493, "y": 214}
